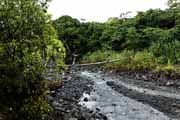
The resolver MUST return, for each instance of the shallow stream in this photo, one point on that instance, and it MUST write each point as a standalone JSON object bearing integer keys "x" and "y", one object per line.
{"x": 114, "y": 105}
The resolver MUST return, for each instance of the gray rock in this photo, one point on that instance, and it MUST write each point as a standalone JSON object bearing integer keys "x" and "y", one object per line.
{"x": 73, "y": 119}
{"x": 56, "y": 104}
{"x": 85, "y": 99}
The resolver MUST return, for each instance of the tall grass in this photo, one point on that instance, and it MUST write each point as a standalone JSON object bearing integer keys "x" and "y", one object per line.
{"x": 130, "y": 60}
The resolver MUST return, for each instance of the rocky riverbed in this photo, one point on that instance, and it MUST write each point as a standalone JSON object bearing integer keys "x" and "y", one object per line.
{"x": 102, "y": 96}
{"x": 171, "y": 80}
{"x": 65, "y": 100}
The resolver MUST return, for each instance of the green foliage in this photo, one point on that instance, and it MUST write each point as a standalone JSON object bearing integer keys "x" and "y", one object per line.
{"x": 79, "y": 38}
{"x": 124, "y": 63}
{"x": 132, "y": 61}
{"x": 99, "y": 55}
{"x": 166, "y": 49}
{"x": 54, "y": 47}
{"x": 155, "y": 30}
{"x": 151, "y": 37}
{"x": 94, "y": 36}
{"x": 27, "y": 41}
{"x": 129, "y": 60}
{"x": 144, "y": 60}
{"x": 133, "y": 40}
{"x": 167, "y": 69}
{"x": 156, "y": 18}
{"x": 68, "y": 30}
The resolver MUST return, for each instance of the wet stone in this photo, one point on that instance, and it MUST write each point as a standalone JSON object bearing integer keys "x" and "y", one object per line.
{"x": 85, "y": 99}
{"x": 66, "y": 101}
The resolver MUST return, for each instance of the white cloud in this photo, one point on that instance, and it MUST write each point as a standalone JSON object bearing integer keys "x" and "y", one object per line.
{"x": 100, "y": 10}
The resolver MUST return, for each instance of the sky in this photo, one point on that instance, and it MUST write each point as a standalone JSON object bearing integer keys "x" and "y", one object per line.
{"x": 101, "y": 10}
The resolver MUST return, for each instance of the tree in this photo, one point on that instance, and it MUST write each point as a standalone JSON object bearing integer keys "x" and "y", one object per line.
{"x": 157, "y": 18}
{"x": 118, "y": 39}
{"x": 110, "y": 27}
{"x": 95, "y": 31}
{"x": 68, "y": 31}
{"x": 24, "y": 42}
{"x": 134, "y": 40}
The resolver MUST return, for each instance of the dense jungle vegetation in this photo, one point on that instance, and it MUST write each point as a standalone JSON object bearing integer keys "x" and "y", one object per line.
{"x": 151, "y": 40}
{"x": 27, "y": 42}
{"x": 29, "y": 39}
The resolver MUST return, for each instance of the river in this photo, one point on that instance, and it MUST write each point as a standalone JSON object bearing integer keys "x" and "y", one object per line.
{"x": 115, "y": 105}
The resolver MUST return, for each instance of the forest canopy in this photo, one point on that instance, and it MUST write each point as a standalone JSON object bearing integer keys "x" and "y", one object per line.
{"x": 155, "y": 30}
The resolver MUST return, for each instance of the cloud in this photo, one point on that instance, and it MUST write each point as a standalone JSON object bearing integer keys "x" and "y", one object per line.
{"x": 100, "y": 10}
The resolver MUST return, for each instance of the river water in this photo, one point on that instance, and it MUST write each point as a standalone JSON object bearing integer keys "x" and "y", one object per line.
{"x": 115, "y": 105}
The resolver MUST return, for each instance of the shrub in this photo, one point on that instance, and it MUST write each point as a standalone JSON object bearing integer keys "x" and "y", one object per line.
{"x": 97, "y": 56}
{"x": 129, "y": 60}
{"x": 124, "y": 62}
{"x": 26, "y": 41}
{"x": 168, "y": 69}
{"x": 143, "y": 60}
{"x": 166, "y": 51}
{"x": 101, "y": 55}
